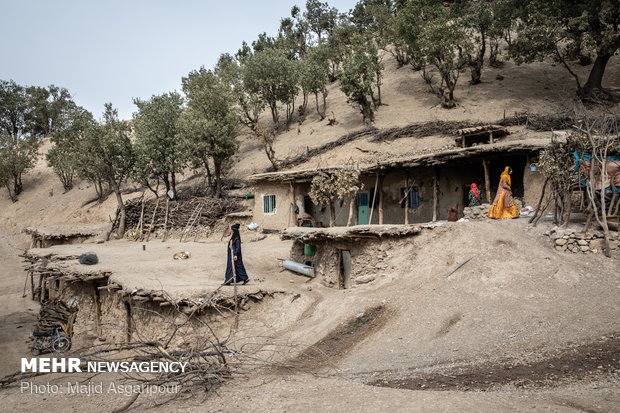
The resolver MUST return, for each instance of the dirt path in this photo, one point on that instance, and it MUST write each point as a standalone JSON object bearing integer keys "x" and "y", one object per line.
{"x": 17, "y": 314}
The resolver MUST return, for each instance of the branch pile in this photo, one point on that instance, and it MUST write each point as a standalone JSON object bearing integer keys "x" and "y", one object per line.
{"x": 179, "y": 213}
{"x": 56, "y": 313}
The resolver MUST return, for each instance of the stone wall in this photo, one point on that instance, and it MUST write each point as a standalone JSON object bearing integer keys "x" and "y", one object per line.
{"x": 572, "y": 240}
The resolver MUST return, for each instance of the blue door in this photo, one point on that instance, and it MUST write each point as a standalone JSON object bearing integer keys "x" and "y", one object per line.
{"x": 362, "y": 208}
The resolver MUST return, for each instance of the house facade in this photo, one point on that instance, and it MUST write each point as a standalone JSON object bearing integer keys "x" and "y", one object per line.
{"x": 414, "y": 189}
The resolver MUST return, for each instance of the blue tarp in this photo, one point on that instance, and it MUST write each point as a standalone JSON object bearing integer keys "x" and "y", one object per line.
{"x": 587, "y": 157}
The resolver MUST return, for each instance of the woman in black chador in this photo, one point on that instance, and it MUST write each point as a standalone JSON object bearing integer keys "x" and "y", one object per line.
{"x": 234, "y": 256}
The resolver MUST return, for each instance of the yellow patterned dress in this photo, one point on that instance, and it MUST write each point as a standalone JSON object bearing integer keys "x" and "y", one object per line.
{"x": 504, "y": 204}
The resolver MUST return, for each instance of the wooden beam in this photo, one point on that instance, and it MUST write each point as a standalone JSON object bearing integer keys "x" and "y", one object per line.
{"x": 374, "y": 196}
{"x": 487, "y": 180}
{"x": 381, "y": 200}
{"x": 435, "y": 195}
{"x": 491, "y": 137}
{"x": 406, "y": 197}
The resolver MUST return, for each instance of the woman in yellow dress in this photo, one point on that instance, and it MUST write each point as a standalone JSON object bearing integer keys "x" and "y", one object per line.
{"x": 504, "y": 204}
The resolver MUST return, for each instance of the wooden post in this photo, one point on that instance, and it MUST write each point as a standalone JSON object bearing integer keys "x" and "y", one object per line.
{"x": 463, "y": 139}
{"x": 406, "y": 197}
{"x": 32, "y": 285}
{"x": 292, "y": 211}
{"x": 491, "y": 137}
{"x": 435, "y": 195}
{"x": 166, "y": 219}
{"x": 374, "y": 196}
{"x": 487, "y": 180}
{"x": 381, "y": 200}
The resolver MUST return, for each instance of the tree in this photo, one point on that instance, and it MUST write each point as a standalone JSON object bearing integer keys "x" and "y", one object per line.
{"x": 315, "y": 74}
{"x": 342, "y": 184}
{"x": 477, "y": 18}
{"x": 106, "y": 155}
{"x": 378, "y": 17}
{"x": 359, "y": 74}
{"x": 274, "y": 78}
{"x": 250, "y": 104}
{"x": 48, "y": 109}
{"x": 433, "y": 37}
{"x": 321, "y": 18}
{"x": 209, "y": 125}
{"x": 553, "y": 27}
{"x": 68, "y": 143}
{"x": 18, "y": 150}
{"x": 158, "y": 150}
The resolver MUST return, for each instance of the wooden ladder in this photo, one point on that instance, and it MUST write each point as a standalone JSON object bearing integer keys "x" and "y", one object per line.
{"x": 191, "y": 221}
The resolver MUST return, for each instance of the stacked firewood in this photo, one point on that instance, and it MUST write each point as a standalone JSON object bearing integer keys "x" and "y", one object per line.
{"x": 56, "y": 313}
{"x": 208, "y": 211}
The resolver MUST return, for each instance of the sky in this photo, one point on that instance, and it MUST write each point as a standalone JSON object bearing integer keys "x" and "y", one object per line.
{"x": 115, "y": 51}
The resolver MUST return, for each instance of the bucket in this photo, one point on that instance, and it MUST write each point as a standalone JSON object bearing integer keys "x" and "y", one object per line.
{"x": 309, "y": 250}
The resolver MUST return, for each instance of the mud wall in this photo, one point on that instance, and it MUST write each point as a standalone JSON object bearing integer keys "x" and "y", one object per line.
{"x": 282, "y": 216}
{"x": 370, "y": 259}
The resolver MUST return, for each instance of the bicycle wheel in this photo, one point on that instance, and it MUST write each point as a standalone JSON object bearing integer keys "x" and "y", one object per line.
{"x": 61, "y": 344}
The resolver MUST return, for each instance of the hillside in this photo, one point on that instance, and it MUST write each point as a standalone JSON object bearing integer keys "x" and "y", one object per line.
{"x": 519, "y": 327}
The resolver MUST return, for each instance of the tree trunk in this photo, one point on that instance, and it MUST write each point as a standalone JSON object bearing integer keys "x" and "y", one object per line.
{"x": 209, "y": 176}
{"x": 366, "y": 109}
{"x": 596, "y": 75}
{"x": 351, "y": 205}
{"x": 173, "y": 184}
{"x": 332, "y": 214}
{"x": 218, "y": 180}
{"x": 121, "y": 208}
{"x": 476, "y": 69}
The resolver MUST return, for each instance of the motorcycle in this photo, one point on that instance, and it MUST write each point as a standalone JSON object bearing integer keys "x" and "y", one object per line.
{"x": 55, "y": 340}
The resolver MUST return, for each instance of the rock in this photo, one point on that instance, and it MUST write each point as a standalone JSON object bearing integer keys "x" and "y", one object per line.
{"x": 582, "y": 242}
{"x": 560, "y": 242}
{"x": 596, "y": 244}
{"x": 364, "y": 279}
{"x": 558, "y": 248}
{"x": 614, "y": 245}
{"x": 574, "y": 249}
{"x": 584, "y": 248}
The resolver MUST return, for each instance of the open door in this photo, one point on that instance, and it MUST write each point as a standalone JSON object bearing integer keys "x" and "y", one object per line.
{"x": 362, "y": 208}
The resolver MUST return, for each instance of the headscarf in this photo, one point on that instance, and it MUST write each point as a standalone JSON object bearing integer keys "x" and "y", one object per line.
{"x": 506, "y": 175}
{"x": 235, "y": 232}
{"x": 474, "y": 189}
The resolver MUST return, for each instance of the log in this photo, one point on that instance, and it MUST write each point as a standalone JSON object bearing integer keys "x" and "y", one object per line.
{"x": 487, "y": 180}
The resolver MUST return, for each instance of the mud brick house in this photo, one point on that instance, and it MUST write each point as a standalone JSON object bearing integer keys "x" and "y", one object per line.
{"x": 436, "y": 181}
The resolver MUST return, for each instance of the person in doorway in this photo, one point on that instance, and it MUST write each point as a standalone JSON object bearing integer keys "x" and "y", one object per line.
{"x": 235, "y": 270}
{"x": 504, "y": 204}
{"x": 474, "y": 196}
{"x": 453, "y": 213}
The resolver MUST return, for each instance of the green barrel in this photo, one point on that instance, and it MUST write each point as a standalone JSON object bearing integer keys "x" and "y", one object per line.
{"x": 309, "y": 250}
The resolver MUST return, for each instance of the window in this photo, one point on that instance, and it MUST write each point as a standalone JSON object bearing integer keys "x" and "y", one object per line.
{"x": 413, "y": 199}
{"x": 269, "y": 204}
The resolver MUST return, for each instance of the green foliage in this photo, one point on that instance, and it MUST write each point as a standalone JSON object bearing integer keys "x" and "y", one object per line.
{"x": 360, "y": 73}
{"x": 64, "y": 155}
{"x": 321, "y": 18}
{"x": 17, "y": 156}
{"x": 552, "y": 28}
{"x": 48, "y": 109}
{"x": 209, "y": 126}
{"x": 158, "y": 149}
{"x": 273, "y": 78}
{"x": 18, "y": 150}
{"x": 436, "y": 40}
{"x": 315, "y": 74}
{"x": 477, "y": 19}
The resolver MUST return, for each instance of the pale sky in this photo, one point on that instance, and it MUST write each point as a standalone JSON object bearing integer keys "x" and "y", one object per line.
{"x": 116, "y": 50}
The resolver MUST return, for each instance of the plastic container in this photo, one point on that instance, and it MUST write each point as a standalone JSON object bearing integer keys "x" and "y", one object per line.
{"x": 309, "y": 250}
